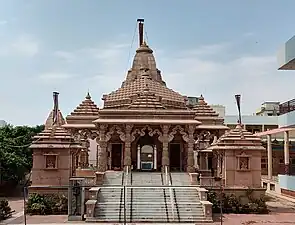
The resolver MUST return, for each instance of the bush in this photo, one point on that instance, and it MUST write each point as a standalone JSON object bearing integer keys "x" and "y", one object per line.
{"x": 231, "y": 204}
{"x": 5, "y": 210}
{"x": 49, "y": 204}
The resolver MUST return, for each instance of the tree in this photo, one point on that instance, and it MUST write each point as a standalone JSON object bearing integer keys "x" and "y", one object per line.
{"x": 15, "y": 155}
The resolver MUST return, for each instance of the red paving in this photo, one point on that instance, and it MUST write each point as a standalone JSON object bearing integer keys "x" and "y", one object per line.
{"x": 282, "y": 213}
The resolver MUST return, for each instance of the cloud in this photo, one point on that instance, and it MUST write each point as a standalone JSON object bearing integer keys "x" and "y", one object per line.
{"x": 67, "y": 56}
{"x": 208, "y": 49}
{"x": 194, "y": 71}
{"x": 25, "y": 45}
{"x": 248, "y": 34}
{"x": 3, "y": 22}
{"x": 55, "y": 76}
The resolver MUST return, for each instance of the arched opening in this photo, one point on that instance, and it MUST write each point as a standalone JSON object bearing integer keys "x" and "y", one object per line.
{"x": 146, "y": 154}
{"x": 176, "y": 154}
{"x": 115, "y": 153}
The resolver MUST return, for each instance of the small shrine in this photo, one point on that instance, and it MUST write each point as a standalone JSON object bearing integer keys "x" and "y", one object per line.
{"x": 54, "y": 153}
{"x": 238, "y": 154}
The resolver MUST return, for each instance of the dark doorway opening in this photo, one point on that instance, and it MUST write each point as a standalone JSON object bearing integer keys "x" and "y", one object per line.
{"x": 175, "y": 157}
{"x": 116, "y": 156}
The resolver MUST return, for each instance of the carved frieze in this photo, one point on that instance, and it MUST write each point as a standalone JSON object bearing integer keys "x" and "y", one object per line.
{"x": 182, "y": 132}
{"x": 115, "y": 129}
{"x": 150, "y": 131}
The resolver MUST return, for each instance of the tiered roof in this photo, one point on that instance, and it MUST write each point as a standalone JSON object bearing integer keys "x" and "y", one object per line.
{"x": 146, "y": 100}
{"x": 54, "y": 135}
{"x": 237, "y": 139}
{"x": 86, "y": 112}
{"x": 202, "y": 109}
{"x": 144, "y": 62}
{"x": 209, "y": 118}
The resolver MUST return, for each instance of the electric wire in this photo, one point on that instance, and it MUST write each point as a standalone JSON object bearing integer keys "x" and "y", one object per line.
{"x": 129, "y": 52}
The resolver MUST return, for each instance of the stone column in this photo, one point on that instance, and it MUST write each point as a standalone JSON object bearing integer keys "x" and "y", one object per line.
{"x": 196, "y": 153}
{"x": 206, "y": 161}
{"x": 155, "y": 157}
{"x": 190, "y": 149}
{"x": 110, "y": 156}
{"x": 127, "y": 150}
{"x": 286, "y": 152}
{"x": 138, "y": 157}
{"x": 269, "y": 157}
{"x": 102, "y": 153}
{"x": 165, "y": 151}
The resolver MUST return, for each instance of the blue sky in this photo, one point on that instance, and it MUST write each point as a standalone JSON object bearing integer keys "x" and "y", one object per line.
{"x": 215, "y": 48}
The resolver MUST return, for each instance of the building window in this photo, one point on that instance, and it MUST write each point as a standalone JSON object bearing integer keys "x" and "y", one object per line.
{"x": 50, "y": 161}
{"x": 281, "y": 161}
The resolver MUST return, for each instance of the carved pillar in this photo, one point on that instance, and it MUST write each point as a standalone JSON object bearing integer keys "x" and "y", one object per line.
{"x": 138, "y": 157}
{"x": 190, "y": 149}
{"x": 155, "y": 157}
{"x": 206, "y": 161}
{"x": 165, "y": 142}
{"x": 102, "y": 152}
{"x": 127, "y": 150}
{"x": 109, "y": 156}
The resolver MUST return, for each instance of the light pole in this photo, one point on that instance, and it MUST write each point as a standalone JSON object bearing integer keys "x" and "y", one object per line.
{"x": 219, "y": 179}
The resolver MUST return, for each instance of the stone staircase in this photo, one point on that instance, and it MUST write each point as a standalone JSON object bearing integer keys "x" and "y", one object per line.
{"x": 188, "y": 203}
{"x": 148, "y": 204}
{"x": 109, "y": 206}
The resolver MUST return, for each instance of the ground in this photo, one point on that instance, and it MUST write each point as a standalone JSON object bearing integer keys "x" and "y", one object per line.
{"x": 282, "y": 213}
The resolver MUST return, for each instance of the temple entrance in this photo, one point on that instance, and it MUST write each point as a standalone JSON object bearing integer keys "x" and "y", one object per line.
{"x": 146, "y": 160}
{"x": 146, "y": 154}
{"x": 175, "y": 157}
{"x": 116, "y": 157}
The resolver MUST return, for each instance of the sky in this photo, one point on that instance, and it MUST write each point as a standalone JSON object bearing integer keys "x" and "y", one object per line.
{"x": 215, "y": 48}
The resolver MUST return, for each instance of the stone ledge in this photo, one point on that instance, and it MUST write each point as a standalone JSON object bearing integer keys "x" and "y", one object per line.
{"x": 90, "y": 207}
{"x": 207, "y": 207}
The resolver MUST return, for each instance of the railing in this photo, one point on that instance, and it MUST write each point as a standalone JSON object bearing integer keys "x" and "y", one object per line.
{"x": 125, "y": 190}
{"x": 170, "y": 191}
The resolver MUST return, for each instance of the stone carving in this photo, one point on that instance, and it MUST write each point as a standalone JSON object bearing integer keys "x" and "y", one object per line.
{"x": 102, "y": 153}
{"x": 244, "y": 163}
{"x": 142, "y": 132}
{"x": 115, "y": 129}
{"x": 204, "y": 139}
{"x": 127, "y": 153}
{"x": 179, "y": 129}
{"x": 190, "y": 149}
{"x": 50, "y": 161}
{"x": 79, "y": 134}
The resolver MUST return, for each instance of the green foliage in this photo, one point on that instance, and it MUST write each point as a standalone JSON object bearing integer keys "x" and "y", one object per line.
{"x": 5, "y": 210}
{"x": 231, "y": 204}
{"x": 49, "y": 204}
{"x": 15, "y": 155}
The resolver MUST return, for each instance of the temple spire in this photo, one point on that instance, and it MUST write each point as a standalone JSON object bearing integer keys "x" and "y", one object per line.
{"x": 55, "y": 106}
{"x": 238, "y": 100}
{"x": 140, "y": 30}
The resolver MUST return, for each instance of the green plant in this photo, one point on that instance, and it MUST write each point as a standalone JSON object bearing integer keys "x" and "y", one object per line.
{"x": 48, "y": 204}
{"x": 231, "y": 204}
{"x": 5, "y": 210}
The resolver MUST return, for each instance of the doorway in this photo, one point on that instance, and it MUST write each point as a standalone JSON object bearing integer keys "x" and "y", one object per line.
{"x": 175, "y": 157}
{"x": 116, "y": 156}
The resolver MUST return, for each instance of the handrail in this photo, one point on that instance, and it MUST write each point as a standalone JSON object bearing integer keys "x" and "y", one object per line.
{"x": 170, "y": 191}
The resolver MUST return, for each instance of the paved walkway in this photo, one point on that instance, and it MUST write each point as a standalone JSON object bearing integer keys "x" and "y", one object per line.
{"x": 282, "y": 213}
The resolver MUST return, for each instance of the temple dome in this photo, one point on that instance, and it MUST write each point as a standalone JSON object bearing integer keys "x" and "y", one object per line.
{"x": 144, "y": 58}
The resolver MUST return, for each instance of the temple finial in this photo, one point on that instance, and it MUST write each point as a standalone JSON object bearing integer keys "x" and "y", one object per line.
{"x": 88, "y": 95}
{"x": 140, "y": 30}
